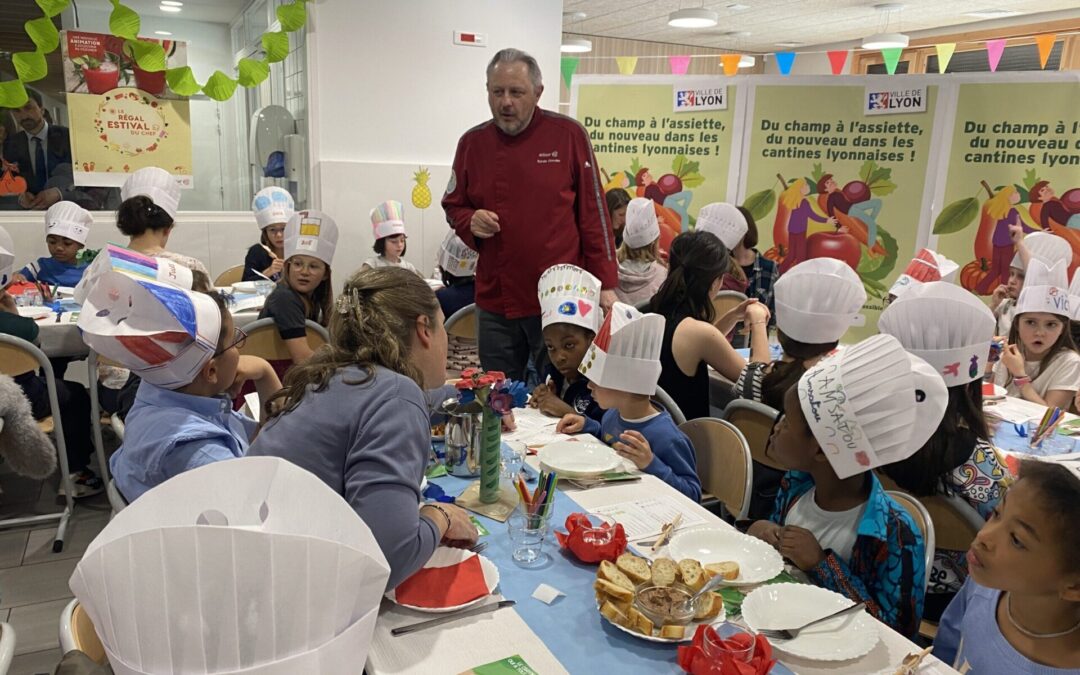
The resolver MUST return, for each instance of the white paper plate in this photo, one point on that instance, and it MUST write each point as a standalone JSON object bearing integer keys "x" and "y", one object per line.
{"x": 788, "y": 605}
{"x": 574, "y": 459}
{"x": 758, "y": 562}
{"x": 35, "y": 312}
{"x": 688, "y": 635}
{"x": 245, "y": 287}
{"x": 445, "y": 556}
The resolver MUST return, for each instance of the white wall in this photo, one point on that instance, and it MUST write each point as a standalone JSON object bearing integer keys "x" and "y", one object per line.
{"x": 389, "y": 91}
{"x": 809, "y": 64}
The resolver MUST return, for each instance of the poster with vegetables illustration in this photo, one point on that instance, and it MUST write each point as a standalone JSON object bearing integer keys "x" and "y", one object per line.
{"x": 662, "y": 138}
{"x": 121, "y": 117}
{"x": 825, "y": 178}
{"x": 1009, "y": 164}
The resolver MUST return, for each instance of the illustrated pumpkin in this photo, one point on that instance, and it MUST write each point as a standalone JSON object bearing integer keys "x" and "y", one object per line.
{"x": 12, "y": 185}
{"x": 973, "y": 274}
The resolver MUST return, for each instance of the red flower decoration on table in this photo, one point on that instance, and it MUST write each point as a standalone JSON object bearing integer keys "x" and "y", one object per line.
{"x": 587, "y": 551}
{"x": 693, "y": 659}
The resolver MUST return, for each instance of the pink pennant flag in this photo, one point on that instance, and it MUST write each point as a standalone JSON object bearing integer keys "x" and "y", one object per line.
{"x": 837, "y": 59}
{"x": 994, "y": 50}
{"x": 731, "y": 63}
{"x": 945, "y": 51}
{"x": 679, "y": 64}
{"x": 627, "y": 64}
{"x": 1045, "y": 44}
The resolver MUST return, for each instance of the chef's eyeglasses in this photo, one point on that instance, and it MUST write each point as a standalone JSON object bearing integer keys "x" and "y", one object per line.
{"x": 239, "y": 338}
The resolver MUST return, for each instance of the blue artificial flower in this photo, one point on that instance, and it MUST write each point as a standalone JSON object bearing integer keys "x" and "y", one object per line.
{"x": 466, "y": 396}
{"x": 519, "y": 392}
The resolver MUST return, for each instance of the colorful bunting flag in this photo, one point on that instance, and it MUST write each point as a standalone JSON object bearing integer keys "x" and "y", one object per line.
{"x": 892, "y": 58}
{"x": 569, "y": 65}
{"x": 679, "y": 64}
{"x": 1045, "y": 44}
{"x": 731, "y": 63}
{"x": 784, "y": 61}
{"x": 944, "y": 55}
{"x": 627, "y": 64}
{"x": 837, "y": 59}
{"x": 994, "y": 50}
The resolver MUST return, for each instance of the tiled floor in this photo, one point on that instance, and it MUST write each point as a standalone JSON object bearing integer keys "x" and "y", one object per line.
{"x": 33, "y": 579}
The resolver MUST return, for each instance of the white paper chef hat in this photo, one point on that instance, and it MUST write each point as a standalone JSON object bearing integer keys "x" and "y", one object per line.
{"x": 1046, "y": 289}
{"x": 1047, "y": 247}
{"x": 165, "y": 334}
{"x": 569, "y": 294}
{"x": 68, "y": 219}
{"x": 456, "y": 258}
{"x": 388, "y": 219}
{"x": 7, "y": 257}
{"x": 311, "y": 233}
{"x": 625, "y": 354}
{"x": 249, "y": 565}
{"x": 272, "y": 205}
{"x": 926, "y": 266}
{"x": 641, "y": 228}
{"x": 115, "y": 258}
{"x": 725, "y": 221}
{"x": 944, "y": 325}
{"x": 1074, "y": 296}
{"x": 818, "y": 300}
{"x": 871, "y": 404}
{"x": 157, "y": 184}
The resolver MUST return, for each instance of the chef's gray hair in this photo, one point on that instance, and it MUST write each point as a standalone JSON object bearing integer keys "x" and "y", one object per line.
{"x": 511, "y": 55}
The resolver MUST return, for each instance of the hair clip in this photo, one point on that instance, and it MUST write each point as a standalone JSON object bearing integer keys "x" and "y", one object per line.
{"x": 349, "y": 301}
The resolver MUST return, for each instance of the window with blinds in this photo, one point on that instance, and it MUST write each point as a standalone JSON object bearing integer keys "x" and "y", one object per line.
{"x": 902, "y": 67}
{"x": 1019, "y": 57}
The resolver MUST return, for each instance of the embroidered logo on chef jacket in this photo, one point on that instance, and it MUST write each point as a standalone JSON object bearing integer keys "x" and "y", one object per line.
{"x": 548, "y": 157}
{"x": 451, "y": 184}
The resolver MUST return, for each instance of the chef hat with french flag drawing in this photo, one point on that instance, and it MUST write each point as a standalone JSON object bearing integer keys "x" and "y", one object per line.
{"x": 569, "y": 294}
{"x": 625, "y": 354}
{"x": 925, "y": 267}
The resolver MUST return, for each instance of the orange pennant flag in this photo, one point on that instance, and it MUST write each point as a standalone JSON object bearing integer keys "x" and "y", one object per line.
{"x": 627, "y": 64}
{"x": 731, "y": 63}
{"x": 1045, "y": 43}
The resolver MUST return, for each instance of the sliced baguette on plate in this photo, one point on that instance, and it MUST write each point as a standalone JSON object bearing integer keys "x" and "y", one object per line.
{"x": 673, "y": 632}
{"x": 617, "y": 592}
{"x": 728, "y": 570}
{"x": 664, "y": 571}
{"x": 634, "y": 567}
{"x": 692, "y": 574}
{"x": 609, "y": 572}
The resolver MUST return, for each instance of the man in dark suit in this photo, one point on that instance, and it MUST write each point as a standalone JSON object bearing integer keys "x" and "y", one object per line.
{"x": 42, "y": 152}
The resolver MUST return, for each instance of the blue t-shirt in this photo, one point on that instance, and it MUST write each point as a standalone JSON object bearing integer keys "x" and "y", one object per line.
{"x": 673, "y": 461}
{"x": 55, "y": 272}
{"x": 453, "y": 298}
{"x": 969, "y": 634}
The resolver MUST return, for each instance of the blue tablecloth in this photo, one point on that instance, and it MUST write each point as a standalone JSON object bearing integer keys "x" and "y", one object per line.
{"x": 1006, "y": 437}
{"x": 571, "y": 627}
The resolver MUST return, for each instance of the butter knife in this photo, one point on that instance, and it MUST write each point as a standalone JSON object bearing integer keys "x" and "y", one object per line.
{"x": 484, "y": 609}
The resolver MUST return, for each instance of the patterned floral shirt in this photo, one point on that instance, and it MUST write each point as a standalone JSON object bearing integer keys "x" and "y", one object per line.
{"x": 887, "y": 568}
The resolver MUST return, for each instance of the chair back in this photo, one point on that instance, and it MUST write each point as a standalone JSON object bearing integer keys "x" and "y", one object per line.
{"x": 264, "y": 341}
{"x": 755, "y": 421}
{"x": 15, "y": 359}
{"x": 723, "y": 462}
{"x": 7, "y": 646}
{"x": 955, "y": 521}
{"x": 462, "y": 323}
{"x": 725, "y": 301}
{"x": 116, "y": 500}
{"x": 77, "y": 632}
{"x": 669, "y": 404}
{"x": 922, "y": 519}
{"x": 230, "y": 276}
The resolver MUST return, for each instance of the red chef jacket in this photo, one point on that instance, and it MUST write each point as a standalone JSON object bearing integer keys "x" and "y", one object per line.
{"x": 545, "y": 187}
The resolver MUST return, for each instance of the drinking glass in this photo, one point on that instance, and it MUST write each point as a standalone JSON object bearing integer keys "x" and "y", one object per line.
{"x": 511, "y": 459}
{"x": 730, "y": 640}
{"x": 527, "y": 534}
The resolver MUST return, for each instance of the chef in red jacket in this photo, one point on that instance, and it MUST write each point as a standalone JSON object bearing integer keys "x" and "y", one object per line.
{"x": 526, "y": 193}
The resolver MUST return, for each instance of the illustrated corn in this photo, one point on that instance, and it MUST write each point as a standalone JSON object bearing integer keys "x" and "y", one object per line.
{"x": 421, "y": 193}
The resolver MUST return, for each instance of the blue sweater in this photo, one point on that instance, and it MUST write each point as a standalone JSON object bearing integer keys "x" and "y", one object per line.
{"x": 673, "y": 454}
{"x": 55, "y": 272}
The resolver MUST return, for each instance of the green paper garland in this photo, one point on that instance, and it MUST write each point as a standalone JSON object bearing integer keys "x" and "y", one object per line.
{"x": 30, "y": 66}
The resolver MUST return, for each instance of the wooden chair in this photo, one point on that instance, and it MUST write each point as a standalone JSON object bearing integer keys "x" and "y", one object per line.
{"x": 17, "y": 356}
{"x": 755, "y": 421}
{"x": 264, "y": 341}
{"x": 725, "y": 301}
{"x": 230, "y": 276}
{"x": 667, "y": 403}
{"x": 723, "y": 462}
{"x": 462, "y": 323}
{"x": 77, "y": 632}
{"x": 7, "y": 646}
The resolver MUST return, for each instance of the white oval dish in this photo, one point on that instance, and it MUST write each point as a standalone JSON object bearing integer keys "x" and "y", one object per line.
{"x": 758, "y": 562}
{"x": 576, "y": 459}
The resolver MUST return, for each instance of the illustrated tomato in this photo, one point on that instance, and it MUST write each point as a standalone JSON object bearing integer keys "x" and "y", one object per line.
{"x": 973, "y": 273}
{"x": 834, "y": 245}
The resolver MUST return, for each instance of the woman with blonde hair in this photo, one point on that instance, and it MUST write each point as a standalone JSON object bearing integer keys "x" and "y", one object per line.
{"x": 355, "y": 414}
{"x": 1001, "y": 208}
{"x": 801, "y": 212}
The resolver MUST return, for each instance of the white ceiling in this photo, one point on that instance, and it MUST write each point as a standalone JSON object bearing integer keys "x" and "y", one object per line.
{"x": 768, "y": 22}
{"x": 213, "y": 11}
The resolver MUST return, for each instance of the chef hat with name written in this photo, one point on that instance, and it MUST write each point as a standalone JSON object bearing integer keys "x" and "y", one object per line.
{"x": 388, "y": 219}
{"x": 926, "y": 266}
{"x": 115, "y": 258}
{"x": 725, "y": 221}
{"x": 569, "y": 294}
{"x": 944, "y": 325}
{"x": 157, "y": 184}
{"x": 272, "y": 205}
{"x": 871, "y": 404}
{"x": 641, "y": 228}
{"x": 1047, "y": 247}
{"x": 1046, "y": 289}
{"x": 311, "y": 233}
{"x": 163, "y": 333}
{"x": 625, "y": 354}
{"x": 456, "y": 258}
{"x": 818, "y": 300}
{"x": 68, "y": 219}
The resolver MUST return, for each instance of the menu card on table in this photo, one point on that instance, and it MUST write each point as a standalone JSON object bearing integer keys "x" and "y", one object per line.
{"x": 646, "y": 517}
{"x": 511, "y": 665}
{"x": 534, "y": 429}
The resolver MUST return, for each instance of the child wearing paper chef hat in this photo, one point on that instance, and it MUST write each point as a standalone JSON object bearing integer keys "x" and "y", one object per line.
{"x": 148, "y": 213}
{"x": 951, "y": 329}
{"x": 856, "y": 410}
{"x": 570, "y": 317}
{"x": 925, "y": 267}
{"x": 641, "y": 273}
{"x": 623, "y": 367}
{"x": 185, "y": 347}
{"x": 729, "y": 225}
{"x": 67, "y": 225}
{"x": 272, "y": 206}
{"x": 1045, "y": 246}
{"x": 388, "y": 224}
{"x": 457, "y": 265}
{"x": 1040, "y": 363}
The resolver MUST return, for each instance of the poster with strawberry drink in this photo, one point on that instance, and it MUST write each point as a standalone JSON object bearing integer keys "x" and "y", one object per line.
{"x": 97, "y": 63}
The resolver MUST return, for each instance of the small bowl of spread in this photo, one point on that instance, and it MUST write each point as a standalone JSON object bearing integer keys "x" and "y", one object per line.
{"x": 665, "y": 605}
